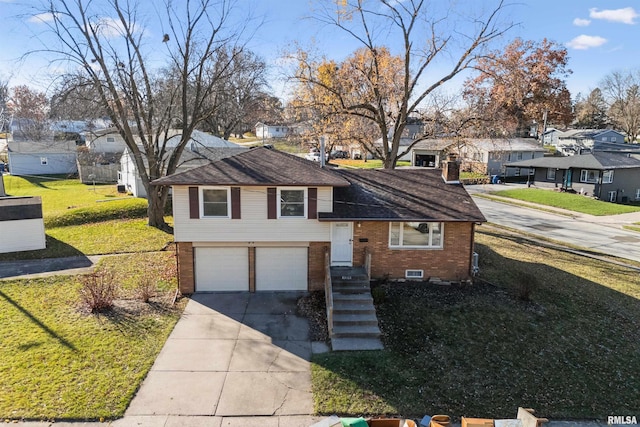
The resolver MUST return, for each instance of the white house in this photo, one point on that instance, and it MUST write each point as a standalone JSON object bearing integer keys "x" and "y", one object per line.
{"x": 105, "y": 141}
{"x": 201, "y": 149}
{"x": 269, "y": 131}
{"x": 42, "y": 157}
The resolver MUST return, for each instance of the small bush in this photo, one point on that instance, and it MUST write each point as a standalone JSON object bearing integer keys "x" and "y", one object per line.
{"x": 98, "y": 291}
{"x": 146, "y": 288}
{"x": 526, "y": 284}
{"x": 378, "y": 295}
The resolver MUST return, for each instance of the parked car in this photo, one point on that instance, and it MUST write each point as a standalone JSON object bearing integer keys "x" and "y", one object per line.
{"x": 313, "y": 155}
{"x": 339, "y": 154}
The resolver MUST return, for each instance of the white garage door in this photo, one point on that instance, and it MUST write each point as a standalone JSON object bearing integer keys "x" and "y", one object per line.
{"x": 281, "y": 269}
{"x": 222, "y": 269}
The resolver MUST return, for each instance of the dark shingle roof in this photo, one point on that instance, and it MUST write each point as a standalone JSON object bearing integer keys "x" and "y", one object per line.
{"x": 260, "y": 167}
{"x": 598, "y": 160}
{"x": 401, "y": 194}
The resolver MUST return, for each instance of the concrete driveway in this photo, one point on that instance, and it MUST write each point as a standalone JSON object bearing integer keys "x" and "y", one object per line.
{"x": 232, "y": 359}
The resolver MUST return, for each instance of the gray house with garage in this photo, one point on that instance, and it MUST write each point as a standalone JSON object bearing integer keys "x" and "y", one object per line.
{"x": 614, "y": 177}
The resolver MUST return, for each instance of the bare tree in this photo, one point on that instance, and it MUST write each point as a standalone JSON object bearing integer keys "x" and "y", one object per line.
{"x": 107, "y": 49}
{"x": 235, "y": 95}
{"x": 434, "y": 45}
{"x": 28, "y": 109}
{"x": 621, "y": 89}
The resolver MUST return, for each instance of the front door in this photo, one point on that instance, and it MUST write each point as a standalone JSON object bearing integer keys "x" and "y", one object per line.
{"x": 342, "y": 243}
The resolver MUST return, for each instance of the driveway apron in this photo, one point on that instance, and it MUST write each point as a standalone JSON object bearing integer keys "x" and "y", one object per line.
{"x": 232, "y": 355}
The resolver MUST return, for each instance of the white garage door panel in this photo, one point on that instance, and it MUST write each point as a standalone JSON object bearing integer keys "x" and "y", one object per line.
{"x": 281, "y": 269}
{"x": 222, "y": 269}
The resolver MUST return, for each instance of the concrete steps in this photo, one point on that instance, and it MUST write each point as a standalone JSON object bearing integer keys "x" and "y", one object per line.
{"x": 355, "y": 324}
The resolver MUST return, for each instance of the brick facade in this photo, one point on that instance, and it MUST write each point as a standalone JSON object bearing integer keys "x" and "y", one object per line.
{"x": 316, "y": 264}
{"x": 186, "y": 275}
{"x": 453, "y": 262}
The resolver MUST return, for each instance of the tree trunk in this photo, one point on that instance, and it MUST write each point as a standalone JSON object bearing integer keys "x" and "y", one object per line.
{"x": 157, "y": 197}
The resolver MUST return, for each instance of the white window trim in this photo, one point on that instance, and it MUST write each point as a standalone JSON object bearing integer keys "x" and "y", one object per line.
{"x": 44, "y": 161}
{"x": 637, "y": 193}
{"x": 401, "y": 246}
{"x": 305, "y": 198}
{"x": 584, "y": 173}
{"x": 610, "y": 180}
{"x": 201, "y": 202}
{"x": 549, "y": 177}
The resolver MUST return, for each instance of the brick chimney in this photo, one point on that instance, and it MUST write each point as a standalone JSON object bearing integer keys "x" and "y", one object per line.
{"x": 451, "y": 170}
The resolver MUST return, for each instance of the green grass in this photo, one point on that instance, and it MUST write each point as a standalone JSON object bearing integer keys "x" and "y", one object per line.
{"x": 82, "y": 220}
{"x": 59, "y": 362}
{"x": 572, "y": 202}
{"x": 481, "y": 351}
{"x": 633, "y": 227}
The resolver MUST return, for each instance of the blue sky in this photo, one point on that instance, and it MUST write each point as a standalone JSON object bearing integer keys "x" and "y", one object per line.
{"x": 601, "y": 35}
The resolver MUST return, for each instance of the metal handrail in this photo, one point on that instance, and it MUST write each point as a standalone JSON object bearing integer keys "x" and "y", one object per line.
{"x": 367, "y": 262}
{"x": 328, "y": 292}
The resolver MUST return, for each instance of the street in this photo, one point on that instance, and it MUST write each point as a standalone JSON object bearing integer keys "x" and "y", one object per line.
{"x": 601, "y": 234}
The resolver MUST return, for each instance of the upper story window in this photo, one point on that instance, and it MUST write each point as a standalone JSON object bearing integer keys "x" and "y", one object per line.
{"x": 589, "y": 175}
{"x": 44, "y": 161}
{"x": 417, "y": 235}
{"x": 215, "y": 202}
{"x": 607, "y": 177}
{"x": 292, "y": 202}
{"x": 111, "y": 139}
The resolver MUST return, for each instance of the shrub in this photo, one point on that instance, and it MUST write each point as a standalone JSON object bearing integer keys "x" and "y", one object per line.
{"x": 526, "y": 284}
{"x": 378, "y": 295}
{"x": 98, "y": 291}
{"x": 146, "y": 288}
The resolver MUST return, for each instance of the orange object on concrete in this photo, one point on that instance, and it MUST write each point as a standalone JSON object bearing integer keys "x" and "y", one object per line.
{"x": 477, "y": 422}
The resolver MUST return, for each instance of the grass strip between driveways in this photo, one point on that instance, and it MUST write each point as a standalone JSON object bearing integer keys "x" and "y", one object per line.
{"x": 571, "y": 351}
{"x": 569, "y": 201}
{"x": 59, "y": 362}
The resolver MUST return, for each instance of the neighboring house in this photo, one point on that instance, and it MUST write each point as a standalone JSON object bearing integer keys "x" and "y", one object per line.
{"x": 2, "y": 192}
{"x": 42, "y": 158}
{"x": 550, "y": 136}
{"x": 268, "y": 220}
{"x": 21, "y": 224}
{"x": 430, "y": 153}
{"x": 575, "y": 140}
{"x": 612, "y": 177}
{"x": 202, "y": 149}
{"x": 105, "y": 141}
{"x": 268, "y": 131}
{"x": 488, "y": 156}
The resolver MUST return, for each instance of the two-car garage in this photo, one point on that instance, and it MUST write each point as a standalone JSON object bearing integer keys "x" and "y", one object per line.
{"x": 229, "y": 268}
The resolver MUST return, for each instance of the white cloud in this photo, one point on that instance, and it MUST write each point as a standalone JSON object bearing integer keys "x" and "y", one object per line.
{"x": 626, "y": 15}
{"x": 110, "y": 27}
{"x": 584, "y": 42}
{"x": 579, "y": 22}
{"x": 41, "y": 18}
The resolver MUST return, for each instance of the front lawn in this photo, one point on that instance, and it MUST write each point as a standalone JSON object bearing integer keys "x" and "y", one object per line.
{"x": 571, "y": 351}
{"x": 569, "y": 201}
{"x": 86, "y": 220}
{"x": 58, "y": 361}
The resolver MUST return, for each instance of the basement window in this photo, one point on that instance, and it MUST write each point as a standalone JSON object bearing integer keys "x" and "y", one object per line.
{"x": 414, "y": 274}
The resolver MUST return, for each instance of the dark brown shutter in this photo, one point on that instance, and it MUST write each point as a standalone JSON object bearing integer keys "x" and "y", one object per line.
{"x": 272, "y": 203}
{"x": 194, "y": 203}
{"x": 312, "y": 205}
{"x": 235, "y": 202}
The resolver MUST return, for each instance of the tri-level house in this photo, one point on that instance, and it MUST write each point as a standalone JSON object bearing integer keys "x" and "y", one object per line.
{"x": 267, "y": 220}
